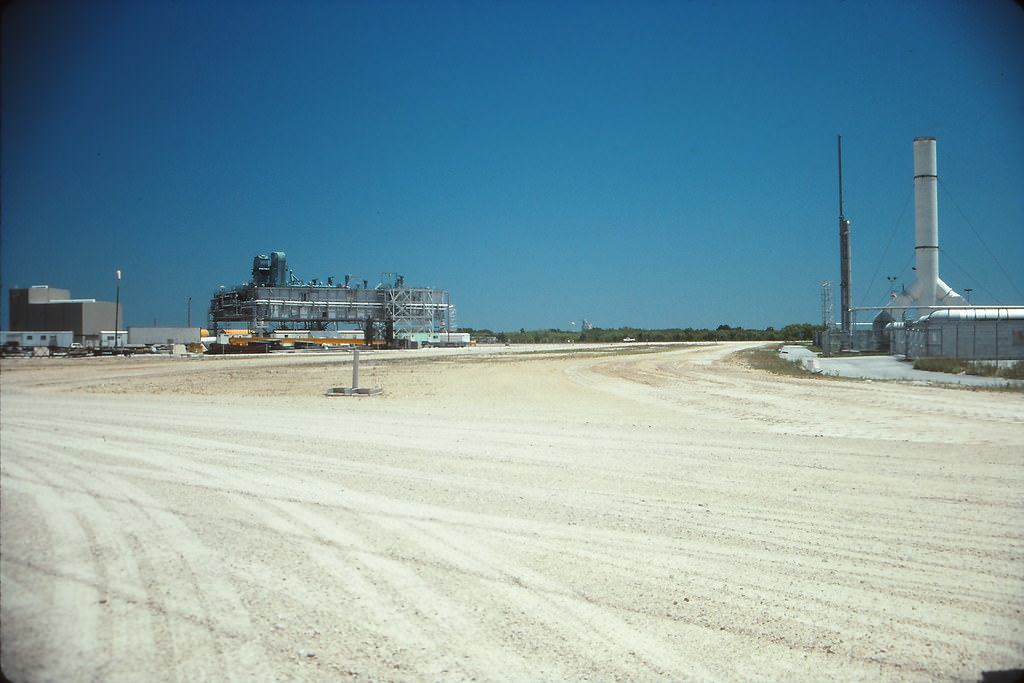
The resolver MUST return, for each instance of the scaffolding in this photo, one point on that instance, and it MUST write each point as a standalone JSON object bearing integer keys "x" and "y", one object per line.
{"x": 413, "y": 310}
{"x": 827, "y": 316}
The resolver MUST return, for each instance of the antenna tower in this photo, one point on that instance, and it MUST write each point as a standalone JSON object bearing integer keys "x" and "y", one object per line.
{"x": 827, "y": 317}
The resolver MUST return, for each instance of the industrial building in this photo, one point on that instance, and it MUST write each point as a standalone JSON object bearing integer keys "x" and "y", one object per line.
{"x": 273, "y": 300}
{"x": 977, "y": 333}
{"x": 929, "y": 318}
{"x": 43, "y": 308}
{"x": 37, "y": 338}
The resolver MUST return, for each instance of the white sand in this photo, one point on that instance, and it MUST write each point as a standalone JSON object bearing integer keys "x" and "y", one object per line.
{"x": 506, "y": 517}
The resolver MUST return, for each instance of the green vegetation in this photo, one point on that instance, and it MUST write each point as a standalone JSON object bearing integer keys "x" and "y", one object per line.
{"x": 767, "y": 358}
{"x": 970, "y": 367}
{"x": 797, "y": 332}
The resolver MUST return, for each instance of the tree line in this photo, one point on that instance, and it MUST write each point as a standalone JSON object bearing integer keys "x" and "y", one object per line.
{"x": 794, "y": 332}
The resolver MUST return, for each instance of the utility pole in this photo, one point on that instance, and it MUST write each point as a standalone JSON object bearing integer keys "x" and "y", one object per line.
{"x": 117, "y": 307}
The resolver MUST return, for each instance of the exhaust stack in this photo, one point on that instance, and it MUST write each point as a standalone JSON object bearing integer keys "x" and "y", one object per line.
{"x": 845, "y": 294}
{"x": 928, "y": 288}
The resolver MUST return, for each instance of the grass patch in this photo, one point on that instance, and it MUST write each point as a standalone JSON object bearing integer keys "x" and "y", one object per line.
{"x": 767, "y": 358}
{"x": 1015, "y": 371}
{"x": 958, "y": 366}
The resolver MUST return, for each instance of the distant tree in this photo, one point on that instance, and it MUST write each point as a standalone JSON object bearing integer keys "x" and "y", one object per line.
{"x": 794, "y": 332}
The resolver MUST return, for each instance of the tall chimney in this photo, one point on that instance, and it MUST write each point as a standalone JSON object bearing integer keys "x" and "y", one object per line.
{"x": 845, "y": 292}
{"x": 928, "y": 289}
{"x": 926, "y": 225}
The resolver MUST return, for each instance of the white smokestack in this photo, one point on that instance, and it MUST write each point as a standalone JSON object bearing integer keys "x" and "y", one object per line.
{"x": 928, "y": 288}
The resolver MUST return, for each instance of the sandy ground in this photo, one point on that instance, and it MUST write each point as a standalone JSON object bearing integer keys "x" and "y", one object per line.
{"x": 564, "y": 514}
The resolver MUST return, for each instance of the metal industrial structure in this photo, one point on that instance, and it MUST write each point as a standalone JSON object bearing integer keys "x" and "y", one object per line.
{"x": 928, "y": 319}
{"x": 275, "y": 300}
{"x": 827, "y": 317}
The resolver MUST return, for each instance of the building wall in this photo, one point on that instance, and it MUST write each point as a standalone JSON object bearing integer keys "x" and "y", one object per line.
{"x": 162, "y": 335}
{"x": 974, "y": 340}
{"x": 46, "y": 316}
{"x": 42, "y": 294}
{"x": 48, "y": 308}
{"x": 437, "y": 338}
{"x": 106, "y": 339}
{"x": 99, "y": 315}
{"x": 38, "y": 338}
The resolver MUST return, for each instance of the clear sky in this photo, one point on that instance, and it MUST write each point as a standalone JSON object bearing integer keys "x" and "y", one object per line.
{"x": 652, "y": 164}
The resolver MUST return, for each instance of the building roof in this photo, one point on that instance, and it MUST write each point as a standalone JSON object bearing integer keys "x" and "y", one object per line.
{"x": 975, "y": 314}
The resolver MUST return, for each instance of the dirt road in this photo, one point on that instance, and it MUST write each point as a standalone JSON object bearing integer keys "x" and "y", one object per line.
{"x": 557, "y": 515}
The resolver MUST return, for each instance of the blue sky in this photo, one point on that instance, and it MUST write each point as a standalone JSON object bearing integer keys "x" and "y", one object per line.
{"x": 651, "y": 164}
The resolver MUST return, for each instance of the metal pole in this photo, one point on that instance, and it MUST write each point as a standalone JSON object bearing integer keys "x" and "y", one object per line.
{"x": 845, "y": 287}
{"x": 188, "y": 318}
{"x": 840, "y": 139}
{"x": 355, "y": 368}
{"x": 117, "y": 309}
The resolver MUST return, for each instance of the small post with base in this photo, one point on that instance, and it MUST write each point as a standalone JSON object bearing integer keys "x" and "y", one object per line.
{"x": 355, "y": 389}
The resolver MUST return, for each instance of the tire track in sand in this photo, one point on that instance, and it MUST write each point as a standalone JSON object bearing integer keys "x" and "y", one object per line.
{"x": 160, "y": 593}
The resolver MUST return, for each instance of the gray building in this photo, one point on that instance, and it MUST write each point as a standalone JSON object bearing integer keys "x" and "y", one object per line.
{"x": 41, "y": 308}
{"x": 162, "y": 336}
{"x": 977, "y": 333}
{"x": 48, "y": 338}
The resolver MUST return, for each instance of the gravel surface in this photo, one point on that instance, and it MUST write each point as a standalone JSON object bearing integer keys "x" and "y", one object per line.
{"x": 504, "y": 514}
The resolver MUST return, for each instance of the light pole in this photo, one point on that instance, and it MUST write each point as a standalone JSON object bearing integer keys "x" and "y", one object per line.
{"x": 967, "y": 291}
{"x": 892, "y": 283}
{"x": 188, "y": 315}
{"x": 117, "y": 307}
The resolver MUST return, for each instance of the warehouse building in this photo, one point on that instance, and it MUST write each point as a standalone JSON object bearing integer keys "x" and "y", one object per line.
{"x": 975, "y": 333}
{"x": 43, "y": 308}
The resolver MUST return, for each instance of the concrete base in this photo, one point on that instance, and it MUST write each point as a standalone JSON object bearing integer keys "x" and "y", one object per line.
{"x": 353, "y": 391}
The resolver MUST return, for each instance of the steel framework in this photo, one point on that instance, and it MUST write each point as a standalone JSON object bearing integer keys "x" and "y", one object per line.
{"x": 418, "y": 310}
{"x": 827, "y": 318}
{"x": 381, "y": 312}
